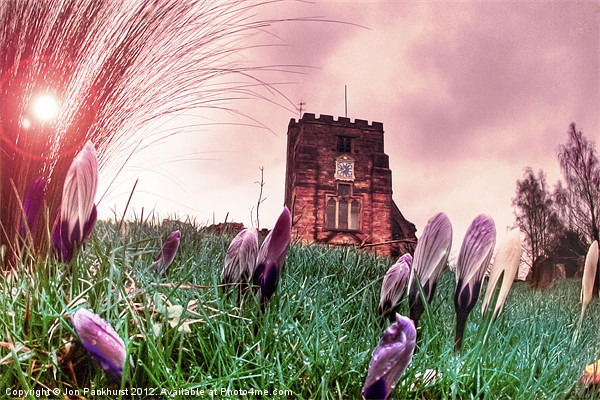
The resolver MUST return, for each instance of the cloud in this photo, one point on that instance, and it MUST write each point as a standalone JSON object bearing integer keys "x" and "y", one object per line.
{"x": 464, "y": 87}
{"x": 469, "y": 94}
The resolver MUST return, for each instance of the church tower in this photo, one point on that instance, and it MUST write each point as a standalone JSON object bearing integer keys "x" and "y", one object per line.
{"x": 338, "y": 186}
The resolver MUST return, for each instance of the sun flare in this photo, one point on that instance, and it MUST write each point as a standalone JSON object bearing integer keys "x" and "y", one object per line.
{"x": 45, "y": 107}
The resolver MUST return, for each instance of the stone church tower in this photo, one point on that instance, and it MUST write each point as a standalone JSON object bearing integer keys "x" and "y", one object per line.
{"x": 338, "y": 186}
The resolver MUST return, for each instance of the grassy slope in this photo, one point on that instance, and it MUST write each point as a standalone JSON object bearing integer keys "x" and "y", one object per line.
{"x": 315, "y": 338}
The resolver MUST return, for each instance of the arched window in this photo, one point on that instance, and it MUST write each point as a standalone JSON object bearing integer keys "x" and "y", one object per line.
{"x": 342, "y": 211}
{"x": 330, "y": 220}
{"x": 354, "y": 211}
{"x": 343, "y": 214}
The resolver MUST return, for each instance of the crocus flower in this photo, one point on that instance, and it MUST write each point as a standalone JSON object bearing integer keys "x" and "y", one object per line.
{"x": 240, "y": 259}
{"x": 101, "y": 342}
{"x": 394, "y": 284}
{"x": 271, "y": 256}
{"x": 167, "y": 254}
{"x": 390, "y": 359}
{"x": 77, "y": 214}
{"x": 507, "y": 261}
{"x": 591, "y": 374}
{"x": 473, "y": 260}
{"x": 589, "y": 274}
{"x": 32, "y": 204}
{"x": 431, "y": 255}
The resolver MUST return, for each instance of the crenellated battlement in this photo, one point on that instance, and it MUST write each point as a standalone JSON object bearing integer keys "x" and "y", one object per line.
{"x": 341, "y": 121}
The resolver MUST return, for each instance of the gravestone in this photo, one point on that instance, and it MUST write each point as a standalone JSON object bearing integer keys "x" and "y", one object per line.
{"x": 543, "y": 272}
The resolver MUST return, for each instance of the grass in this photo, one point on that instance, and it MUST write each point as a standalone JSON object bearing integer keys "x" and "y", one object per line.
{"x": 314, "y": 341}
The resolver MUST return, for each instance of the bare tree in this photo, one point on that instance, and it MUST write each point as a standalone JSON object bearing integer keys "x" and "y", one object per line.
{"x": 536, "y": 214}
{"x": 261, "y": 183}
{"x": 581, "y": 170}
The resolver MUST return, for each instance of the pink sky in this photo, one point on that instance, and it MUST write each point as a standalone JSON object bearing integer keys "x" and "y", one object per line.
{"x": 469, "y": 95}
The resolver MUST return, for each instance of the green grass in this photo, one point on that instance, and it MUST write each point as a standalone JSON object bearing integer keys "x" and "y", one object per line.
{"x": 314, "y": 341}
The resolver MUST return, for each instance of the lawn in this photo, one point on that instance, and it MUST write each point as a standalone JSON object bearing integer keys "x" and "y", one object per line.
{"x": 185, "y": 336}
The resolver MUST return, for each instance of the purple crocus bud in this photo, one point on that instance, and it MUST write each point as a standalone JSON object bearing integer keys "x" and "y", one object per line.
{"x": 390, "y": 359}
{"x": 101, "y": 342}
{"x": 473, "y": 260}
{"x": 271, "y": 256}
{"x": 394, "y": 285}
{"x": 167, "y": 253}
{"x": 240, "y": 258}
{"x": 431, "y": 255}
{"x": 77, "y": 214}
{"x": 32, "y": 204}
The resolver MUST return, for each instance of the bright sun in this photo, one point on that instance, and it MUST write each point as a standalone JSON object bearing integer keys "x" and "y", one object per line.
{"x": 45, "y": 107}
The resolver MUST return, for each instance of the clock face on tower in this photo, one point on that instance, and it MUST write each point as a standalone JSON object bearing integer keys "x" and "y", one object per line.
{"x": 344, "y": 169}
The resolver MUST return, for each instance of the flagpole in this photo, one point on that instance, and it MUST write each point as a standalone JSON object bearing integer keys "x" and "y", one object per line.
{"x": 346, "y": 100}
